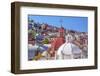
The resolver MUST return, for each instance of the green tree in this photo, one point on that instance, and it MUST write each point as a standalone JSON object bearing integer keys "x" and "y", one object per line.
{"x": 46, "y": 41}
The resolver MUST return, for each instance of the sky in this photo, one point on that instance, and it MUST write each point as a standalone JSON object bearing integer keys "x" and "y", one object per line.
{"x": 68, "y": 22}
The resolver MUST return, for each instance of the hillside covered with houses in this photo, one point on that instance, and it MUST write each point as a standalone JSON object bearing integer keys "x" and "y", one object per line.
{"x": 46, "y": 42}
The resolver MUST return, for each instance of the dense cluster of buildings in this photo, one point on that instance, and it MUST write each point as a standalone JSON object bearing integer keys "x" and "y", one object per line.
{"x": 44, "y": 40}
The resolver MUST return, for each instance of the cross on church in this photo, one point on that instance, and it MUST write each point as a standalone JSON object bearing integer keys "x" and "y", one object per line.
{"x": 61, "y": 21}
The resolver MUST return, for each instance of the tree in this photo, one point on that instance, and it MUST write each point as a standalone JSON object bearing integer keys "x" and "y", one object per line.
{"x": 46, "y": 41}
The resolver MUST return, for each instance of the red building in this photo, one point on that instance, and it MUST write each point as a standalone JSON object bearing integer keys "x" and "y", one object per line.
{"x": 61, "y": 31}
